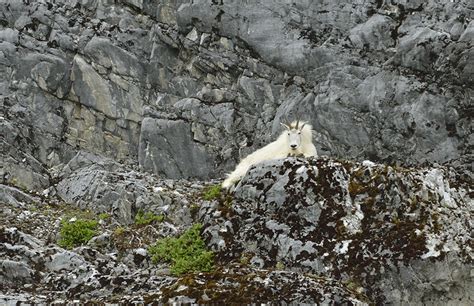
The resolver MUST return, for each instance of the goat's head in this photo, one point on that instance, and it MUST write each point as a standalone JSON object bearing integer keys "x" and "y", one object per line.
{"x": 294, "y": 131}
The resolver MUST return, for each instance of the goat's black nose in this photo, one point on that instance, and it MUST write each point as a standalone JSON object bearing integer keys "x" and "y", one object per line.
{"x": 293, "y": 146}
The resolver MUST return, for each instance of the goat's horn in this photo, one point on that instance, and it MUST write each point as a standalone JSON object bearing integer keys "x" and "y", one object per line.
{"x": 286, "y": 126}
{"x": 297, "y": 123}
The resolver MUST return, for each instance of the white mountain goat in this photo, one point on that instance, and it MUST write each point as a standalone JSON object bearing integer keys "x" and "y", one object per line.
{"x": 296, "y": 140}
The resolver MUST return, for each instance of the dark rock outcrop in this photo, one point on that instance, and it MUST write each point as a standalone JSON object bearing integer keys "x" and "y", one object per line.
{"x": 401, "y": 235}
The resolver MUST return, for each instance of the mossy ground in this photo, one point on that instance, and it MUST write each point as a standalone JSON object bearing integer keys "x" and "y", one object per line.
{"x": 237, "y": 284}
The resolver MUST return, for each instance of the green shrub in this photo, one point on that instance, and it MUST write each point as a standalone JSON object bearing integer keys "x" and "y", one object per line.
{"x": 212, "y": 192}
{"x": 77, "y": 232}
{"x": 186, "y": 253}
{"x": 142, "y": 218}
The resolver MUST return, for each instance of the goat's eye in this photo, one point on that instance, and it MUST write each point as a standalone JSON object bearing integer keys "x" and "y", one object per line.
{"x": 299, "y": 133}
{"x": 288, "y": 134}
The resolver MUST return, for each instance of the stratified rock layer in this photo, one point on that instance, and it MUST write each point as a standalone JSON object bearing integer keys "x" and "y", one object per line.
{"x": 187, "y": 88}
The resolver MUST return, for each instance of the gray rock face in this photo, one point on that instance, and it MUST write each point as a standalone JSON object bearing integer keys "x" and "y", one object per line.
{"x": 61, "y": 275}
{"x": 385, "y": 81}
{"x": 86, "y": 273}
{"x": 102, "y": 185}
{"x": 110, "y": 106}
{"x": 388, "y": 230}
{"x": 167, "y": 148}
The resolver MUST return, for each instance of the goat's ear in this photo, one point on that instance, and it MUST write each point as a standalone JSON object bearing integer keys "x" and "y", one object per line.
{"x": 286, "y": 126}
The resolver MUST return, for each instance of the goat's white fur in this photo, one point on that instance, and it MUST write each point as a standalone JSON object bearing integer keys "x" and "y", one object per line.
{"x": 298, "y": 136}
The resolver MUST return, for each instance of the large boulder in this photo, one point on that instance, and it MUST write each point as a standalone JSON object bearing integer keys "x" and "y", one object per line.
{"x": 399, "y": 235}
{"x": 92, "y": 182}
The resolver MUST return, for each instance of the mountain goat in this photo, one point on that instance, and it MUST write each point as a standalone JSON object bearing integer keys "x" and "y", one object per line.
{"x": 296, "y": 140}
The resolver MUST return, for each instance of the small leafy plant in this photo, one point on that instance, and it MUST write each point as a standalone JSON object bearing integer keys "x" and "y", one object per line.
{"x": 76, "y": 232}
{"x": 142, "y": 218}
{"x": 187, "y": 253}
{"x": 212, "y": 192}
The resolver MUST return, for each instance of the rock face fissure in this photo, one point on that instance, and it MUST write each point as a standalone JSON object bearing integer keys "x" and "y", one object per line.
{"x": 123, "y": 108}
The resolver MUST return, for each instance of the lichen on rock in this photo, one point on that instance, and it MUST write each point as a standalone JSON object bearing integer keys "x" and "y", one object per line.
{"x": 354, "y": 222}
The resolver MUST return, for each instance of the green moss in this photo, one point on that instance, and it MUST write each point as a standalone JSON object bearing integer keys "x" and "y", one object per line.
{"x": 186, "y": 253}
{"x": 212, "y": 192}
{"x": 142, "y": 218}
{"x": 77, "y": 232}
{"x": 104, "y": 216}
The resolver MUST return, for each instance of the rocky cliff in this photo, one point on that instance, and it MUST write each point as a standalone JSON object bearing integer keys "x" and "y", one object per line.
{"x": 118, "y": 107}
